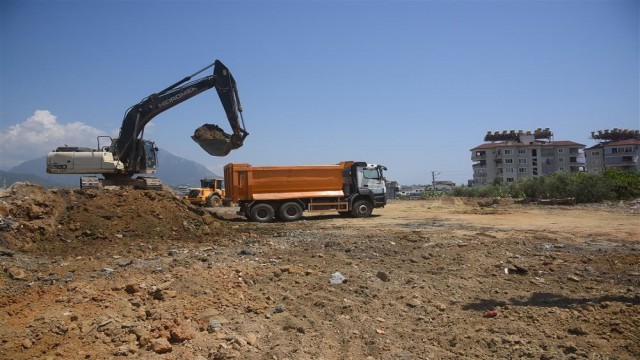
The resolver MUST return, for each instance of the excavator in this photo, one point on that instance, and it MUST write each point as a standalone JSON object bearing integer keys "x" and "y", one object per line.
{"x": 120, "y": 159}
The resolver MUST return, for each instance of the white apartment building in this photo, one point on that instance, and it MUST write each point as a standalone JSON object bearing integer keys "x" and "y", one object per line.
{"x": 620, "y": 155}
{"x": 515, "y": 155}
{"x": 617, "y": 149}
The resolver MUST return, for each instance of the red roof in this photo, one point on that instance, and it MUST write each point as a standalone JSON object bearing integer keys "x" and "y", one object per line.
{"x": 615, "y": 143}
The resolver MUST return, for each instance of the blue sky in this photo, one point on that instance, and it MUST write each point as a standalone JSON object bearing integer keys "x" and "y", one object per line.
{"x": 413, "y": 85}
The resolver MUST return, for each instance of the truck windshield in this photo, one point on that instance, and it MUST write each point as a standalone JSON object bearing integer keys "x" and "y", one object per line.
{"x": 371, "y": 173}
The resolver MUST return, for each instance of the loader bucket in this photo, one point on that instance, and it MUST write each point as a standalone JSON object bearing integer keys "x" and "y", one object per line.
{"x": 214, "y": 140}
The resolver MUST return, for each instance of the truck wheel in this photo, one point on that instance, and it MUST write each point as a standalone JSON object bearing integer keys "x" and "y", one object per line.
{"x": 290, "y": 211}
{"x": 262, "y": 213}
{"x": 362, "y": 208}
{"x": 214, "y": 201}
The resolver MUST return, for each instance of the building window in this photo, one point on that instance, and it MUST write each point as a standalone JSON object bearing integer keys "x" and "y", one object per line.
{"x": 561, "y": 160}
{"x": 522, "y": 151}
{"x": 510, "y": 179}
{"x": 561, "y": 168}
{"x": 522, "y": 161}
{"x": 522, "y": 170}
{"x": 507, "y": 151}
{"x": 595, "y": 153}
{"x": 628, "y": 149}
{"x": 508, "y": 161}
{"x": 509, "y": 170}
{"x": 614, "y": 150}
{"x": 560, "y": 150}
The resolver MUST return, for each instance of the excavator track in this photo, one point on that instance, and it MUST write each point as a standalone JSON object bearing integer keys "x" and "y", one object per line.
{"x": 140, "y": 182}
{"x": 148, "y": 183}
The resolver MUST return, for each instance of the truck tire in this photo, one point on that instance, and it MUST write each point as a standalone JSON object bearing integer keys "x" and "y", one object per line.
{"x": 214, "y": 201}
{"x": 290, "y": 211}
{"x": 262, "y": 213}
{"x": 362, "y": 208}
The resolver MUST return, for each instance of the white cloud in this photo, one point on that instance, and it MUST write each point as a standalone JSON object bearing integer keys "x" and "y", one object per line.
{"x": 39, "y": 134}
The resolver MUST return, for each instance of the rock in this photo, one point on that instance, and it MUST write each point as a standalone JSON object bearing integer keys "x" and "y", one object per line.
{"x": 214, "y": 325}
{"x": 132, "y": 288}
{"x": 125, "y": 263}
{"x": 240, "y": 341}
{"x": 161, "y": 346}
{"x": 579, "y": 330}
{"x": 16, "y": 273}
{"x": 181, "y": 334}
{"x": 252, "y": 339}
{"x": 158, "y": 295}
{"x": 573, "y": 278}
{"x": 27, "y": 344}
{"x": 279, "y": 309}
{"x": 172, "y": 252}
{"x": 383, "y": 276}
{"x": 414, "y": 303}
{"x": 440, "y": 306}
{"x": 337, "y": 278}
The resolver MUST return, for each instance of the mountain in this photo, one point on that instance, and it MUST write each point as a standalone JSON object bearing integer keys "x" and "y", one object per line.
{"x": 172, "y": 171}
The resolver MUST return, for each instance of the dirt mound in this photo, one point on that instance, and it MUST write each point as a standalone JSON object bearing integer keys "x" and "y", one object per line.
{"x": 62, "y": 220}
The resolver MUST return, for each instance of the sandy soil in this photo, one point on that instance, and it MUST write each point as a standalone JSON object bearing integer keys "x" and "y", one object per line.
{"x": 108, "y": 274}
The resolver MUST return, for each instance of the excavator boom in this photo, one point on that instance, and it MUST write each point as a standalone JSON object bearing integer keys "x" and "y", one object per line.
{"x": 215, "y": 142}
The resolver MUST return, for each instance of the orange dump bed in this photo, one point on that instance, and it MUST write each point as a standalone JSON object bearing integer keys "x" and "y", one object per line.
{"x": 244, "y": 182}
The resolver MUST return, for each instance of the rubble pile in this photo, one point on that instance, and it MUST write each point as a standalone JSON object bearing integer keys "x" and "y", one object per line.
{"x": 37, "y": 219}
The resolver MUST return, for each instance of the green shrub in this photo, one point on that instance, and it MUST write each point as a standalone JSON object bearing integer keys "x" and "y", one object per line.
{"x": 583, "y": 186}
{"x": 625, "y": 184}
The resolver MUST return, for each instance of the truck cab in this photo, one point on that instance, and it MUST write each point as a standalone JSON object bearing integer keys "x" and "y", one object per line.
{"x": 370, "y": 179}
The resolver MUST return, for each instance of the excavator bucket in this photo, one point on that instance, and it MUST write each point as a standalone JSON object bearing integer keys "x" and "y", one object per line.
{"x": 214, "y": 140}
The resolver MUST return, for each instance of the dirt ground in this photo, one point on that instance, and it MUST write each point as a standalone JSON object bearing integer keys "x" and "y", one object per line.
{"x": 129, "y": 273}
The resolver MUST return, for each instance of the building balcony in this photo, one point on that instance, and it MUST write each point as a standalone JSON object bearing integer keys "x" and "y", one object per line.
{"x": 620, "y": 160}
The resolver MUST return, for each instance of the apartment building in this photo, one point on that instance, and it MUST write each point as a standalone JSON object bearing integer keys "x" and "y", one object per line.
{"x": 617, "y": 149}
{"x": 512, "y": 155}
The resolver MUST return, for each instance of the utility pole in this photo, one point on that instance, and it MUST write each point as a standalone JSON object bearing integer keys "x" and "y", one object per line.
{"x": 433, "y": 181}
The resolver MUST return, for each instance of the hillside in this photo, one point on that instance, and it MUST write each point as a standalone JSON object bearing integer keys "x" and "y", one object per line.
{"x": 172, "y": 171}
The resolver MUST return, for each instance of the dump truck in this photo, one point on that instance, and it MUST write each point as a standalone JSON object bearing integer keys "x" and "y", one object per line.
{"x": 265, "y": 193}
{"x": 210, "y": 193}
